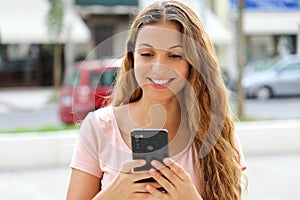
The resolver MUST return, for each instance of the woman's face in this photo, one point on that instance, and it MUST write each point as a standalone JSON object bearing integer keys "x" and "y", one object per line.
{"x": 160, "y": 68}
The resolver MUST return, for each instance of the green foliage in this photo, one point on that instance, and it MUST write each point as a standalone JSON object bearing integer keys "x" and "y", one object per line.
{"x": 44, "y": 129}
{"x": 55, "y": 18}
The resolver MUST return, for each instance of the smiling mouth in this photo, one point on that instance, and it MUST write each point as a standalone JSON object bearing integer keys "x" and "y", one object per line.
{"x": 160, "y": 81}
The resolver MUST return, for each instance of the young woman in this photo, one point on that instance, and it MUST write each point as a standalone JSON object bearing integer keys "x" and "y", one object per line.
{"x": 170, "y": 79}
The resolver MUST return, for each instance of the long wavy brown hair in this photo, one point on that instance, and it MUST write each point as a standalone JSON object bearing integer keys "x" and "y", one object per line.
{"x": 219, "y": 159}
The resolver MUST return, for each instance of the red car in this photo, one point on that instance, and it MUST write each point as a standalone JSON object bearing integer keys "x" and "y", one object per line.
{"x": 87, "y": 88}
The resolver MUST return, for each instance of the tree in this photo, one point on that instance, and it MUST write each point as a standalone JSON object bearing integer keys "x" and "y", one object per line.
{"x": 240, "y": 59}
{"x": 55, "y": 27}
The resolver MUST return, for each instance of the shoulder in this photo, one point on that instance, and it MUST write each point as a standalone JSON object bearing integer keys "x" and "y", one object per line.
{"x": 100, "y": 117}
{"x": 104, "y": 112}
{"x": 95, "y": 128}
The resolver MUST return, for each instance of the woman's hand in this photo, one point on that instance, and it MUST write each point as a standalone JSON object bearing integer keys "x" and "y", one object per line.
{"x": 124, "y": 185}
{"x": 174, "y": 179}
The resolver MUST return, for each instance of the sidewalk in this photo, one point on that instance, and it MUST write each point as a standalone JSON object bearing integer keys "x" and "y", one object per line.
{"x": 37, "y": 184}
{"x": 273, "y": 177}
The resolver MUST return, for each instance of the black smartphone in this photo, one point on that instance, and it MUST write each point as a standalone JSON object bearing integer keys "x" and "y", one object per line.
{"x": 149, "y": 144}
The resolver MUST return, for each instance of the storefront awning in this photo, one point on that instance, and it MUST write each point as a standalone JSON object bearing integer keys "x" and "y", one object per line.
{"x": 26, "y": 22}
{"x": 271, "y": 23}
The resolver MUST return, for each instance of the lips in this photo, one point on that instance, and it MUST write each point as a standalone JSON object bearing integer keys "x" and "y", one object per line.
{"x": 160, "y": 83}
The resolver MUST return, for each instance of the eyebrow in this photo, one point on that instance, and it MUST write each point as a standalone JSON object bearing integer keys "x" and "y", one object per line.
{"x": 176, "y": 46}
{"x": 172, "y": 47}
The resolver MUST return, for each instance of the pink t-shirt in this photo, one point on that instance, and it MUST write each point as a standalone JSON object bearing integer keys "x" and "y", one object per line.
{"x": 100, "y": 150}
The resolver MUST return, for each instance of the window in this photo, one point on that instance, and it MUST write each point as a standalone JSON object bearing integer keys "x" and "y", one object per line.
{"x": 73, "y": 78}
{"x": 102, "y": 79}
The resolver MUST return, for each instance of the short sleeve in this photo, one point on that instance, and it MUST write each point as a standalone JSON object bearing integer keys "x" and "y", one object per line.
{"x": 82, "y": 160}
{"x": 85, "y": 151}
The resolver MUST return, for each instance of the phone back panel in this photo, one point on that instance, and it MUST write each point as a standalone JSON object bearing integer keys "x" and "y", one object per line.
{"x": 149, "y": 144}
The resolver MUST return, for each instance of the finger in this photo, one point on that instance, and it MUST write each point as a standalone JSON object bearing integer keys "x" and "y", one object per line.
{"x": 166, "y": 172}
{"x": 142, "y": 195}
{"x": 155, "y": 192}
{"x": 154, "y": 184}
{"x": 138, "y": 176}
{"x": 177, "y": 169}
{"x": 129, "y": 165}
{"x": 141, "y": 187}
{"x": 164, "y": 182}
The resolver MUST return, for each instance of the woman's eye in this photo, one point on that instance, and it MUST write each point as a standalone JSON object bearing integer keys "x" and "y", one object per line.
{"x": 146, "y": 54}
{"x": 176, "y": 56}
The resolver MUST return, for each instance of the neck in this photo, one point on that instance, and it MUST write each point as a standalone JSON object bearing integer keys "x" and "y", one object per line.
{"x": 156, "y": 114}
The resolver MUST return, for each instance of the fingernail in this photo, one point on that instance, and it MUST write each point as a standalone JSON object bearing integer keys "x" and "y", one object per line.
{"x": 154, "y": 162}
{"x": 167, "y": 161}
{"x": 152, "y": 171}
{"x": 142, "y": 162}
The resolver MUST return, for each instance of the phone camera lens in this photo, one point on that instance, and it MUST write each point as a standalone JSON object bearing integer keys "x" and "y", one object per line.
{"x": 150, "y": 147}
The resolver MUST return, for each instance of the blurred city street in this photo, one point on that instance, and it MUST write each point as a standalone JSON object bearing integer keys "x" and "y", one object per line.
{"x": 37, "y": 107}
{"x": 32, "y": 107}
{"x": 257, "y": 44}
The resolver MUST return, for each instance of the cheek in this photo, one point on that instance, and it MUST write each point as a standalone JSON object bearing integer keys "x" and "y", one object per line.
{"x": 139, "y": 73}
{"x": 183, "y": 70}
{"x": 185, "y": 73}
{"x": 138, "y": 70}
{"x": 182, "y": 75}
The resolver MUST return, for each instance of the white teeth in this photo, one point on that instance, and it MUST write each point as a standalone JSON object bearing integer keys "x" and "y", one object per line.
{"x": 160, "y": 81}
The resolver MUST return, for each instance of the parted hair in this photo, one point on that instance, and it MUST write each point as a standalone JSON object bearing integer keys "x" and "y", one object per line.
{"x": 219, "y": 167}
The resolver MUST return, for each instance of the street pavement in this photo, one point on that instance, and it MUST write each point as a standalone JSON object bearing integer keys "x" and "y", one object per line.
{"x": 33, "y": 98}
{"x": 28, "y": 108}
{"x": 271, "y": 177}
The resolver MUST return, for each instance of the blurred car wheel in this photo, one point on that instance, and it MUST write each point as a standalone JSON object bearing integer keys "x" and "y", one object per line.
{"x": 264, "y": 93}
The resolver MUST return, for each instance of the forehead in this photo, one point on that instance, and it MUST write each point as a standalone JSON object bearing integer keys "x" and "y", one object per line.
{"x": 160, "y": 36}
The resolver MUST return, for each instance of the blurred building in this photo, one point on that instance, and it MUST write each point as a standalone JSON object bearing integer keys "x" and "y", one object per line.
{"x": 26, "y": 47}
{"x": 272, "y": 28}
{"x": 106, "y": 19}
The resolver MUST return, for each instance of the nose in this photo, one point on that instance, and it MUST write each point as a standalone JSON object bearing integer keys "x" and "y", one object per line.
{"x": 160, "y": 65}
